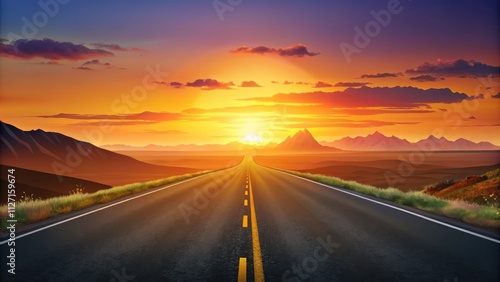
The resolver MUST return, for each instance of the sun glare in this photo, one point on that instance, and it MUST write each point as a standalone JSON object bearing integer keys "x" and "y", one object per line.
{"x": 251, "y": 138}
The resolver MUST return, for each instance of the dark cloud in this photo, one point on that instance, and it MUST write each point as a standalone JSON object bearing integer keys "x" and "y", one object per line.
{"x": 254, "y": 50}
{"x": 456, "y": 68}
{"x": 351, "y": 84}
{"x": 299, "y": 109}
{"x": 210, "y": 84}
{"x": 84, "y": 68}
{"x": 250, "y": 83}
{"x": 496, "y": 96}
{"x": 49, "y": 49}
{"x": 176, "y": 84}
{"x": 381, "y": 75}
{"x": 287, "y": 82}
{"x": 96, "y": 62}
{"x": 321, "y": 84}
{"x": 480, "y": 96}
{"x": 426, "y": 78}
{"x": 393, "y": 97}
{"x": 472, "y": 118}
{"x": 52, "y": 63}
{"x": 115, "y": 47}
{"x": 297, "y": 50}
{"x": 274, "y": 81}
{"x": 144, "y": 116}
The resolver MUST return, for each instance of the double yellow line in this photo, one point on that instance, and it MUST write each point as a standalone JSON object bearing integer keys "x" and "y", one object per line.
{"x": 257, "y": 255}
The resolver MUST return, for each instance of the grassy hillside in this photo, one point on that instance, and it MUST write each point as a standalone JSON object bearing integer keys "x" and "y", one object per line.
{"x": 479, "y": 189}
{"x": 479, "y": 214}
{"x": 33, "y": 210}
{"x": 41, "y": 185}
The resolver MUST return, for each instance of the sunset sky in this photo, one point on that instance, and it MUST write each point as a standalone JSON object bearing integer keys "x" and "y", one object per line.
{"x": 174, "y": 72}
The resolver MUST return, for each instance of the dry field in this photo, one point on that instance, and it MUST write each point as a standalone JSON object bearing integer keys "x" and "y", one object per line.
{"x": 402, "y": 170}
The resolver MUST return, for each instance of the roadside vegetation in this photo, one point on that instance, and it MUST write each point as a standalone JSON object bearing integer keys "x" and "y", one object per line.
{"x": 485, "y": 214}
{"x": 478, "y": 189}
{"x": 29, "y": 209}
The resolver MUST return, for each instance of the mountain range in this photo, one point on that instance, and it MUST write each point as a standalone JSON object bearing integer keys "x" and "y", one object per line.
{"x": 303, "y": 141}
{"x": 379, "y": 142}
{"x": 61, "y": 155}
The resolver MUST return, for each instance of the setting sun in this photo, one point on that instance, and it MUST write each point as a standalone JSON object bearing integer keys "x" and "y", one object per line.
{"x": 251, "y": 138}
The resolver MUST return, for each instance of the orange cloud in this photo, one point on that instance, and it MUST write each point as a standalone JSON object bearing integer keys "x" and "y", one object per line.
{"x": 250, "y": 83}
{"x": 321, "y": 84}
{"x": 210, "y": 84}
{"x": 144, "y": 116}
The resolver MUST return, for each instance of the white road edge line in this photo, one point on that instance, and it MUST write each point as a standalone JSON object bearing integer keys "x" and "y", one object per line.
{"x": 399, "y": 209}
{"x": 103, "y": 208}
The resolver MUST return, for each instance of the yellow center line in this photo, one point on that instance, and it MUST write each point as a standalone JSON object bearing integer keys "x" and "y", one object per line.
{"x": 245, "y": 202}
{"x": 245, "y": 221}
{"x": 246, "y": 193}
{"x": 242, "y": 270}
{"x": 257, "y": 255}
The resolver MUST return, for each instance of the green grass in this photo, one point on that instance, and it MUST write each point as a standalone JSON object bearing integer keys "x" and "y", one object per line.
{"x": 33, "y": 210}
{"x": 482, "y": 215}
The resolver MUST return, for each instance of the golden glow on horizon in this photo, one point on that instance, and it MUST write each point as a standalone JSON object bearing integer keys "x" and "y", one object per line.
{"x": 220, "y": 115}
{"x": 251, "y": 138}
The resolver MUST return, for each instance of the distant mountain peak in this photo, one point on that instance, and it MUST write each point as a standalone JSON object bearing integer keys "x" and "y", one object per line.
{"x": 379, "y": 142}
{"x": 376, "y": 134}
{"x": 301, "y": 141}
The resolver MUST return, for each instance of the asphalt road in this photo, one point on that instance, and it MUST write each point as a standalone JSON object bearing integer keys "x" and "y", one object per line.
{"x": 254, "y": 223}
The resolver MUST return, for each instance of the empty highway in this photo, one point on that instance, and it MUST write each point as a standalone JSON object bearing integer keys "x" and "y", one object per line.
{"x": 249, "y": 223}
